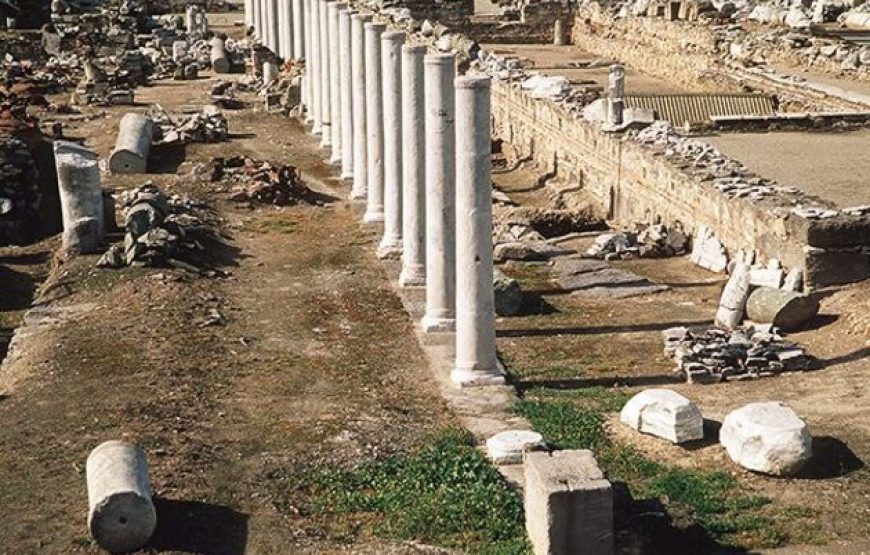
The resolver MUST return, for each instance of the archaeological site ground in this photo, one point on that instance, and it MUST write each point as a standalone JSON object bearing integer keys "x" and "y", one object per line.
{"x": 417, "y": 276}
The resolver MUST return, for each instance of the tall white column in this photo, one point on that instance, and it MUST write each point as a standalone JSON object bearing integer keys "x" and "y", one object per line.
{"x": 335, "y": 80}
{"x": 314, "y": 74}
{"x": 391, "y": 69}
{"x": 285, "y": 29}
{"x": 358, "y": 92}
{"x": 298, "y": 13}
{"x": 325, "y": 106}
{"x": 413, "y": 169}
{"x": 439, "y": 72}
{"x": 374, "y": 124}
{"x": 272, "y": 25}
{"x": 344, "y": 54}
{"x": 476, "y": 361}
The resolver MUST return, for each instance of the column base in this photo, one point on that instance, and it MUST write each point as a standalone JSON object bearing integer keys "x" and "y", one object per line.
{"x": 437, "y": 325}
{"x": 390, "y": 249}
{"x": 373, "y": 217}
{"x": 472, "y": 378}
{"x": 414, "y": 277}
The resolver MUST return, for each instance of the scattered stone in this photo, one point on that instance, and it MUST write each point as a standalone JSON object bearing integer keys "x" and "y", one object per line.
{"x": 510, "y": 446}
{"x": 712, "y": 355}
{"x": 508, "y": 294}
{"x": 786, "y": 310}
{"x": 768, "y": 438}
{"x": 665, "y": 414}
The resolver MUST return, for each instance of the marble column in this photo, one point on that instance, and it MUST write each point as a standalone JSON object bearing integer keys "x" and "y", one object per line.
{"x": 298, "y": 13}
{"x": 413, "y": 169}
{"x": 439, "y": 104}
{"x": 335, "y": 81}
{"x": 476, "y": 361}
{"x": 374, "y": 124}
{"x": 325, "y": 44}
{"x": 358, "y": 93}
{"x": 391, "y": 70}
{"x": 345, "y": 75}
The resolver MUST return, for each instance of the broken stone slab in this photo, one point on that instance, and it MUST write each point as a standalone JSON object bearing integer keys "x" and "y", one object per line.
{"x": 133, "y": 144}
{"x": 568, "y": 503}
{"x": 81, "y": 197}
{"x": 732, "y": 303}
{"x": 508, "y": 447}
{"x": 605, "y": 277}
{"x": 767, "y": 437}
{"x": 665, "y": 414}
{"x": 565, "y": 266}
{"x": 786, "y": 310}
{"x": 708, "y": 252}
{"x": 620, "y": 291}
{"x": 121, "y": 515}
{"x": 508, "y": 294}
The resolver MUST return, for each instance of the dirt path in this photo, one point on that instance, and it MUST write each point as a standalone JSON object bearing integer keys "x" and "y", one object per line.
{"x": 317, "y": 363}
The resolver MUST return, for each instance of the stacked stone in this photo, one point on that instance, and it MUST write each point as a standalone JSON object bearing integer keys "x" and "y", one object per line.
{"x": 715, "y": 355}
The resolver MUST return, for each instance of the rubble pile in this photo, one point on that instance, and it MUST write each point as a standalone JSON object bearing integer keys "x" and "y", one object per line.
{"x": 160, "y": 230}
{"x": 256, "y": 181}
{"x": 712, "y": 355}
{"x": 207, "y": 126}
{"x": 654, "y": 241}
{"x": 19, "y": 191}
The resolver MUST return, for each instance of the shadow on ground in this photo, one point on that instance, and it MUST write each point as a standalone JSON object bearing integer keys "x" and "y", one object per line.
{"x": 199, "y": 528}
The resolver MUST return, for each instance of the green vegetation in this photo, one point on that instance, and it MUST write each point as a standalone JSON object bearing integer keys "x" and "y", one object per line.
{"x": 715, "y": 500}
{"x": 444, "y": 492}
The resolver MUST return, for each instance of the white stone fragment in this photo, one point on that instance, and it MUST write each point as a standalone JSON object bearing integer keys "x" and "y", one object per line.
{"x": 767, "y": 437}
{"x": 665, "y": 414}
{"x": 508, "y": 447}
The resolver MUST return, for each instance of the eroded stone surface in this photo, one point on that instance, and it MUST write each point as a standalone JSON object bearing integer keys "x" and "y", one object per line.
{"x": 767, "y": 437}
{"x": 665, "y": 414}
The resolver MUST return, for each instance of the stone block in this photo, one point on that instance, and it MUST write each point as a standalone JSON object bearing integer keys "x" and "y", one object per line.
{"x": 767, "y": 437}
{"x": 665, "y": 414}
{"x": 568, "y": 504}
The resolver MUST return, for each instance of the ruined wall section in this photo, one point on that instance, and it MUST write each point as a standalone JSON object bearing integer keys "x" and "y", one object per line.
{"x": 632, "y": 183}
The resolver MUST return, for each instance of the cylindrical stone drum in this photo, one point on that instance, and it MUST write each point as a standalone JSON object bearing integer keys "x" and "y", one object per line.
{"x": 121, "y": 515}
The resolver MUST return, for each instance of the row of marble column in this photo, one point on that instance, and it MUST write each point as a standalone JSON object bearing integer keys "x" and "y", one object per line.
{"x": 415, "y": 140}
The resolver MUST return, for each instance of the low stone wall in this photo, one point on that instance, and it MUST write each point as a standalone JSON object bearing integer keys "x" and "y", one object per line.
{"x": 631, "y": 183}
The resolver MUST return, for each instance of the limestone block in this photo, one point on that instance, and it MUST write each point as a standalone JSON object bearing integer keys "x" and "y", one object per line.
{"x": 665, "y": 414}
{"x": 508, "y": 447}
{"x": 121, "y": 515}
{"x": 733, "y": 301}
{"x": 568, "y": 504}
{"x": 767, "y": 437}
{"x": 786, "y": 310}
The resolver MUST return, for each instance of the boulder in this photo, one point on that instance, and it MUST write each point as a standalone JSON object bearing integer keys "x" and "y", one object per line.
{"x": 508, "y": 295}
{"x": 767, "y": 437}
{"x": 786, "y": 310}
{"x": 665, "y": 414}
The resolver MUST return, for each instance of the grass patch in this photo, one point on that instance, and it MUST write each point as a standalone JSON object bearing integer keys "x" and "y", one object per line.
{"x": 714, "y": 500}
{"x": 444, "y": 492}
